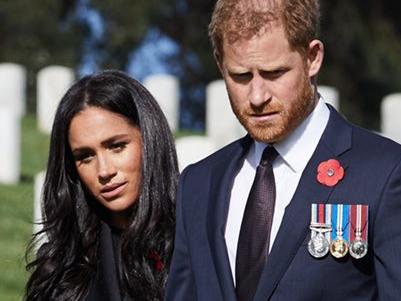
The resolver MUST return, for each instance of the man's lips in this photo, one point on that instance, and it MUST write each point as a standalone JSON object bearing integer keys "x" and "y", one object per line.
{"x": 112, "y": 190}
{"x": 260, "y": 117}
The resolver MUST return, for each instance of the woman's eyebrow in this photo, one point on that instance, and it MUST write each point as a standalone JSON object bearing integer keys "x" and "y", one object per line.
{"x": 113, "y": 139}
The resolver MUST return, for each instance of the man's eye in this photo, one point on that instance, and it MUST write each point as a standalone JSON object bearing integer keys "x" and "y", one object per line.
{"x": 241, "y": 76}
{"x": 277, "y": 72}
{"x": 273, "y": 74}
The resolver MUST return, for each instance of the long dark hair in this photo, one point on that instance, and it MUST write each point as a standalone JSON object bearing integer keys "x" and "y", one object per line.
{"x": 65, "y": 265}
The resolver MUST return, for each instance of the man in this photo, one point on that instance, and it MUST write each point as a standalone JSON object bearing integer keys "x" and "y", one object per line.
{"x": 305, "y": 207}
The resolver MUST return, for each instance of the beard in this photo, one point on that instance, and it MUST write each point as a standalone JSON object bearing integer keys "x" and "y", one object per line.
{"x": 288, "y": 120}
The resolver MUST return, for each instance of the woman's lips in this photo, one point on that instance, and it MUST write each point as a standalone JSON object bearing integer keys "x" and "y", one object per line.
{"x": 112, "y": 191}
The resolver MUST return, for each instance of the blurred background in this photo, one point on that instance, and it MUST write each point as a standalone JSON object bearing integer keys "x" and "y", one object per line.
{"x": 362, "y": 62}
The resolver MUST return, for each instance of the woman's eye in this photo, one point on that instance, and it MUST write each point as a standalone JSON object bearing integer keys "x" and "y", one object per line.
{"x": 83, "y": 158}
{"x": 118, "y": 146}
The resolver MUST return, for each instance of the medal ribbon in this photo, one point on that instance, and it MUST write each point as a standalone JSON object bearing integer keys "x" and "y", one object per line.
{"x": 319, "y": 214}
{"x": 321, "y": 218}
{"x": 328, "y": 221}
{"x": 313, "y": 219}
{"x": 340, "y": 220}
{"x": 359, "y": 221}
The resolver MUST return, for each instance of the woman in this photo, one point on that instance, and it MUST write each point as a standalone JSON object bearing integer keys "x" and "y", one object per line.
{"x": 108, "y": 196}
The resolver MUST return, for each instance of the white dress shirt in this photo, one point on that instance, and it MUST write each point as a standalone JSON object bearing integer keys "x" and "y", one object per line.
{"x": 294, "y": 154}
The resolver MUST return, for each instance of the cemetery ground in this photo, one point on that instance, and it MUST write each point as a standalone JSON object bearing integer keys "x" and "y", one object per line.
{"x": 16, "y": 212}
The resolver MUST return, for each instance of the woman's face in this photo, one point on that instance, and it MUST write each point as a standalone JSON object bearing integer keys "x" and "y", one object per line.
{"x": 108, "y": 157}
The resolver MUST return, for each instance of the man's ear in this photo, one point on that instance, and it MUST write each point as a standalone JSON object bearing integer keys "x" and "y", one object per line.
{"x": 314, "y": 57}
{"x": 218, "y": 58}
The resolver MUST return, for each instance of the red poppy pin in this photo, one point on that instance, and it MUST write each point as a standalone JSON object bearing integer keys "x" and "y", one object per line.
{"x": 159, "y": 265}
{"x": 330, "y": 172}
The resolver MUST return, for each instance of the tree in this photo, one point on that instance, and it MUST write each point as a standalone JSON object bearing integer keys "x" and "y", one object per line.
{"x": 363, "y": 43}
{"x": 185, "y": 21}
{"x": 33, "y": 35}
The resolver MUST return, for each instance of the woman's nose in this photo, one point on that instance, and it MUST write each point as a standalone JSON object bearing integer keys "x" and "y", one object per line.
{"x": 106, "y": 168}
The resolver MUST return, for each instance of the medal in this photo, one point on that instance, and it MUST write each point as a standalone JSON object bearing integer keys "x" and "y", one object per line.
{"x": 339, "y": 245}
{"x": 318, "y": 245}
{"x": 358, "y": 248}
{"x": 359, "y": 245}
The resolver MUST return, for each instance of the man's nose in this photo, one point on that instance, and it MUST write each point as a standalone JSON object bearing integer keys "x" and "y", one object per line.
{"x": 259, "y": 92}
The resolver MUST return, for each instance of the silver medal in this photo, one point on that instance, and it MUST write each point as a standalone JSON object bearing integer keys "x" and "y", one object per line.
{"x": 359, "y": 247}
{"x": 318, "y": 246}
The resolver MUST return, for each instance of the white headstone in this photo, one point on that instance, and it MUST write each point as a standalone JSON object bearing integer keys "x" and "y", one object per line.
{"x": 10, "y": 138}
{"x": 330, "y": 95}
{"x": 221, "y": 124}
{"x": 37, "y": 205}
{"x": 390, "y": 117}
{"x": 13, "y": 87}
{"x": 165, "y": 89}
{"x": 52, "y": 83}
{"x": 191, "y": 149}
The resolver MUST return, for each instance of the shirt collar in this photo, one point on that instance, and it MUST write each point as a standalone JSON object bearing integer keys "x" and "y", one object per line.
{"x": 298, "y": 147}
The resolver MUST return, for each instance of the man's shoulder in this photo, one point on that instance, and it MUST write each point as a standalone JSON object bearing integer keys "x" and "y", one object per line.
{"x": 196, "y": 178}
{"x": 374, "y": 143}
{"x": 372, "y": 153}
{"x": 222, "y": 155}
{"x": 366, "y": 143}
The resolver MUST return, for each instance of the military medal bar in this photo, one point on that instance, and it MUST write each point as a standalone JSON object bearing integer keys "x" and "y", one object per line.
{"x": 339, "y": 229}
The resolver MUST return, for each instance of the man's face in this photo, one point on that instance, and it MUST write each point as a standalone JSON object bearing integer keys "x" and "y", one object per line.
{"x": 268, "y": 84}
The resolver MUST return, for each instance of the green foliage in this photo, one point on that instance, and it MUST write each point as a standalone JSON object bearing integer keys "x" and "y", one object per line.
{"x": 16, "y": 213}
{"x": 184, "y": 21}
{"x": 126, "y": 24}
{"x": 362, "y": 43}
{"x": 32, "y": 34}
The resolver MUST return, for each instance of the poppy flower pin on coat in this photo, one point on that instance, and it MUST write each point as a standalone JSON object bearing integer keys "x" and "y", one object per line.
{"x": 330, "y": 172}
{"x": 158, "y": 262}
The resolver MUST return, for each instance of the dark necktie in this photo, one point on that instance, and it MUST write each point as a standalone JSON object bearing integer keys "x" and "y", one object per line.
{"x": 254, "y": 237}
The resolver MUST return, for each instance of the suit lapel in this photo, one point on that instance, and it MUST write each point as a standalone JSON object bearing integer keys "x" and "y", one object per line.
{"x": 335, "y": 141}
{"x": 222, "y": 178}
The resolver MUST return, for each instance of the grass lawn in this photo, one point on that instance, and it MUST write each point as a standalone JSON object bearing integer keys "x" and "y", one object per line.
{"x": 16, "y": 212}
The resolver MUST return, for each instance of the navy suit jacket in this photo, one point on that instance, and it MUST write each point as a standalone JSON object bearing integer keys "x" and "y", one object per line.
{"x": 200, "y": 268}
